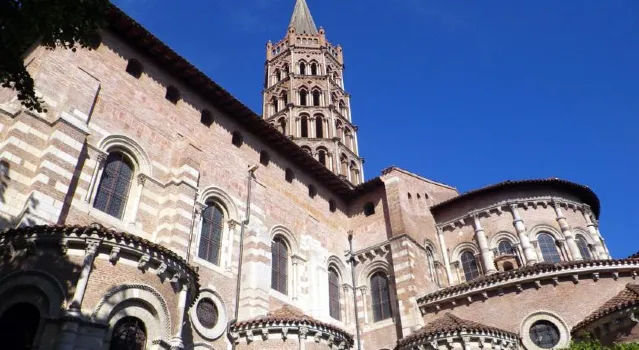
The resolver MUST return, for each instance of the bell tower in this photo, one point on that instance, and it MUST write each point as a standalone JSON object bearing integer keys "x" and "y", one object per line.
{"x": 304, "y": 96}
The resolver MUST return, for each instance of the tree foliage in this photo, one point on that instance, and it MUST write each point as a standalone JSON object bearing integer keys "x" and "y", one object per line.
{"x": 593, "y": 344}
{"x": 50, "y": 23}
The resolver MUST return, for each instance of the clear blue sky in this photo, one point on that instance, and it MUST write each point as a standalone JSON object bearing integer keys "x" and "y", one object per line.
{"x": 468, "y": 93}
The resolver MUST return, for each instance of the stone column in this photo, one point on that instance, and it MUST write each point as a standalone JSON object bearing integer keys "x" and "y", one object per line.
{"x": 137, "y": 198}
{"x": 346, "y": 311}
{"x": 444, "y": 251}
{"x": 294, "y": 283}
{"x": 594, "y": 234}
{"x": 89, "y": 256}
{"x": 529, "y": 252}
{"x": 97, "y": 174}
{"x": 176, "y": 342}
{"x": 312, "y": 132}
{"x": 486, "y": 254}
{"x": 567, "y": 232}
{"x": 364, "y": 304}
{"x": 69, "y": 330}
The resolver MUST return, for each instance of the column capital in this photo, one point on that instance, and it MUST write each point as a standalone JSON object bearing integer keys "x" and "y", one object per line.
{"x": 142, "y": 179}
{"x": 101, "y": 158}
{"x": 92, "y": 246}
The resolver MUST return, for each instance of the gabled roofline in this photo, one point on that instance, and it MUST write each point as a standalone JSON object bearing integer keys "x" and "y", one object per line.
{"x": 396, "y": 168}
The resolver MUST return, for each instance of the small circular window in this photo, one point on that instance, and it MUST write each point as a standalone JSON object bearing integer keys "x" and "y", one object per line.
{"x": 544, "y": 334}
{"x": 207, "y": 313}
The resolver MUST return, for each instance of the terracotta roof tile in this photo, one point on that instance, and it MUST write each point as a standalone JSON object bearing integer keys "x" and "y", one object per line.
{"x": 292, "y": 316}
{"x": 628, "y": 297}
{"x": 450, "y": 323}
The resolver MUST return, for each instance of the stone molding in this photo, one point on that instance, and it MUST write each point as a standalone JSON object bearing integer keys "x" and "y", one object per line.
{"x": 285, "y": 329}
{"x": 504, "y": 206}
{"x": 463, "y": 340}
{"x": 145, "y": 254}
{"x": 514, "y": 281}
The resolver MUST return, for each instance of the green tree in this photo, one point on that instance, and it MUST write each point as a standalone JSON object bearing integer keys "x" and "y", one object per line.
{"x": 593, "y": 344}
{"x": 50, "y": 23}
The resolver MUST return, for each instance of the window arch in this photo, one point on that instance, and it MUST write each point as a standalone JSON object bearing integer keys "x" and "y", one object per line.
{"x": 314, "y": 68}
{"x": 115, "y": 185}
{"x": 316, "y": 97}
{"x": 380, "y": 295}
{"x": 278, "y": 75}
{"x": 342, "y": 109}
{"x": 211, "y": 234}
{"x": 284, "y": 98}
{"x": 583, "y": 247}
{"x": 469, "y": 265}
{"x": 286, "y": 70}
{"x": 344, "y": 162}
{"x": 322, "y": 155}
{"x": 505, "y": 247}
{"x": 354, "y": 173}
{"x": 430, "y": 261}
{"x": 304, "y": 126}
{"x": 279, "y": 265}
{"x": 129, "y": 333}
{"x": 275, "y": 104}
{"x": 548, "y": 248}
{"x": 19, "y": 326}
{"x": 303, "y": 97}
{"x": 334, "y": 293}
{"x": 319, "y": 126}
{"x": 302, "y": 68}
{"x": 281, "y": 125}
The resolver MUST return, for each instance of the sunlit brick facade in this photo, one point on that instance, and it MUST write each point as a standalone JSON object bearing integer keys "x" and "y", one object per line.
{"x": 127, "y": 204}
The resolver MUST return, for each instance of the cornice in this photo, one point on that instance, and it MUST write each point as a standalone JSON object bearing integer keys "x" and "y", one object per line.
{"x": 481, "y": 339}
{"x": 516, "y": 280}
{"x": 525, "y": 202}
{"x": 286, "y": 328}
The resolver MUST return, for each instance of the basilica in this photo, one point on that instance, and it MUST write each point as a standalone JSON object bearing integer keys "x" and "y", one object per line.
{"x": 148, "y": 208}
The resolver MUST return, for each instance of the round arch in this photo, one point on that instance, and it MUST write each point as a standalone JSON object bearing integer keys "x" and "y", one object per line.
{"x": 370, "y": 269}
{"x": 40, "y": 282}
{"x": 500, "y": 236}
{"x": 464, "y": 246}
{"x": 130, "y": 146}
{"x": 536, "y": 230}
{"x": 289, "y": 238}
{"x": 216, "y": 194}
{"x": 141, "y": 301}
{"x": 334, "y": 262}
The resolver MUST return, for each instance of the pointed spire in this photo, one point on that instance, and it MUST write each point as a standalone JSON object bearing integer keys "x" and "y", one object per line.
{"x": 302, "y": 20}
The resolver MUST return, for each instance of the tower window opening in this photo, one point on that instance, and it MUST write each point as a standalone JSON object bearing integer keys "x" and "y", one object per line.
{"x": 284, "y": 98}
{"x": 304, "y": 126}
{"x": 321, "y": 157}
{"x": 302, "y": 68}
{"x": 275, "y": 105}
{"x": 316, "y": 98}
{"x": 281, "y": 125}
{"x": 319, "y": 126}
{"x": 278, "y": 75}
{"x": 303, "y": 95}
{"x": 313, "y": 68}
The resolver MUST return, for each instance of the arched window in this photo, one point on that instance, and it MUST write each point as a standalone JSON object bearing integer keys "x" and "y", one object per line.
{"x": 211, "y": 234}
{"x": 430, "y": 261}
{"x": 278, "y": 75}
{"x": 354, "y": 173}
{"x": 303, "y": 96}
{"x": 343, "y": 110}
{"x": 19, "y": 326}
{"x": 304, "y": 126}
{"x": 281, "y": 125}
{"x": 548, "y": 248}
{"x": 313, "y": 68}
{"x": 279, "y": 265}
{"x": 302, "y": 68}
{"x": 286, "y": 71}
{"x": 115, "y": 184}
{"x": 505, "y": 247}
{"x": 316, "y": 97}
{"x": 319, "y": 126}
{"x": 344, "y": 161}
{"x": 583, "y": 248}
{"x": 469, "y": 265}
{"x": 334, "y": 294}
{"x": 128, "y": 334}
{"x": 321, "y": 156}
{"x": 340, "y": 130}
{"x": 275, "y": 104}
{"x": 380, "y": 296}
{"x": 348, "y": 138}
{"x": 284, "y": 98}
